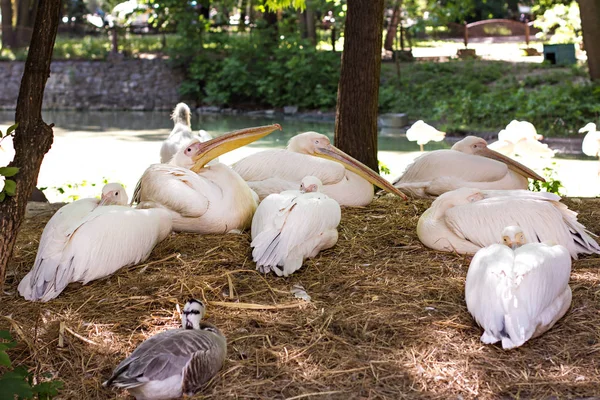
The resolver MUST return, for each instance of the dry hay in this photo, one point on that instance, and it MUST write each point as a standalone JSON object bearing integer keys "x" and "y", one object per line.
{"x": 387, "y": 319}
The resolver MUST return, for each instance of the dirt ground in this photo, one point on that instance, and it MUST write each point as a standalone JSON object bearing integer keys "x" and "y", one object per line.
{"x": 387, "y": 318}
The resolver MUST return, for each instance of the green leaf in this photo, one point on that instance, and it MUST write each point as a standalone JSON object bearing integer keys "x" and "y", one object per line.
{"x": 48, "y": 389}
{"x": 6, "y": 335}
{"x": 5, "y": 359}
{"x": 13, "y": 384}
{"x": 11, "y": 129}
{"x": 10, "y": 187}
{"x": 2, "y": 196}
{"x": 9, "y": 171}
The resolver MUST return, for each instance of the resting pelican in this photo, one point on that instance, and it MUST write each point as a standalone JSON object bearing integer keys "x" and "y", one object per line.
{"x": 469, "y": 163}
{"x": 88, "y": 240}
{"x": 173, "y": 363}
{"x": 465, "y": 220}
{"x": 203, "y": 199}
{"x": 292, "y": 226}
{"x": 423, "y": 133}
{"x": 346, "y": 180}
{"x": 591, "y": 141}
{"x": 521, "y": 138}
{"x": 517, "y": 291}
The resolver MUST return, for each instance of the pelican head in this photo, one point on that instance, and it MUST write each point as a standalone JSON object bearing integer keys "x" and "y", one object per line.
{"x": 590, "y": 127}
{"x": 113, "y": 194}
{"x": 192, "y": 313}
{"x": 478, "y": 147}
{"x": 184, "y": 157}
{"x": 319, "y": 145}
{"x": 513, "y": 237}
{"x": 311, "y": 184}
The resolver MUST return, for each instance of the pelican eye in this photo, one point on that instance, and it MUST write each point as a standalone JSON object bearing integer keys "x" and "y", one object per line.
{"x": 116, "y": 193}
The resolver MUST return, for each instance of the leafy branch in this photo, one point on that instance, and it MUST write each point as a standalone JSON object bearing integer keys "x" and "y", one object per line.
{"x": 8, "y": 187}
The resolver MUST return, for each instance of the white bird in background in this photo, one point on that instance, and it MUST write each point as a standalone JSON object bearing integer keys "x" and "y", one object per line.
{"x": 517, "y": 291}
{"x": 469, "y": 163}
{"x": 88, "y": 240}
{"x": 465, "y": 220}
{"x": 181, "y": 134}
{"x": 591, "y": 141}
{"x": 521, "y": 138}
{"x": 346, "y": 180}
{"x": 423, "y": 133}
{"x": 173, "y": 363}
{"x": 294, "y": 225}
{"x": 202, "y": 199}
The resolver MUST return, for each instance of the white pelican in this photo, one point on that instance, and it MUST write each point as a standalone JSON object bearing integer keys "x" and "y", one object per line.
{"x": 173, "y": 363}
{"x": 294, "y": 225}
{"x": 88, "y": 240}
{"x": 346, "y": 180}
{"x": 517, "y": 291}
{"x": 423, "y": 133}
{"x": 521, "y": 138}
{"x": 591, "y": 141}
{"x": 469, "y": 163}
{"x": 203, "y": 199}
{"x": 465, "y": 220}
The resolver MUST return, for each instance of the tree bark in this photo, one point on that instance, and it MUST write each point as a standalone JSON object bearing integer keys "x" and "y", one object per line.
{"x": 590, "y": 24}
{"x": 390, "y": 36}
{"x": 311, "y": 27}
{"x": 358, "y": 89}
{"x": 33, "y": 136}
{"x": 8, "y": 39}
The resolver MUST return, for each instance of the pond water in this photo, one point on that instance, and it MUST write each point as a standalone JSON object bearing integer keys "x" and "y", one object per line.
{"x": 90, "y": 147}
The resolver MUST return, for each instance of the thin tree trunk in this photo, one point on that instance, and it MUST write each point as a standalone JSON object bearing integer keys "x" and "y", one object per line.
{"x": 311, "y": 27}
{"x": 590, "y": 24}
{"x": 33, "y": 137}
{"x": 8, "y": 38}
{"x": 358, "y": 90}
{"x": 393, "y": 27}
{"x": 25, "y": 21}
{"x": 302, "y": 23}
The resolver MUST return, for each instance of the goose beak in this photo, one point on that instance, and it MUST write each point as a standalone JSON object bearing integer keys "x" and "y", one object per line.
{"x": 332, "y": 153}
{"x": 213, "y": 148}
{"x": 512, "y": 164}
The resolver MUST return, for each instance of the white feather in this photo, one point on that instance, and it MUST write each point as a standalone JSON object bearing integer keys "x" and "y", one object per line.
{"x": 517, "y": 295}
{"x": 292, "y": 226}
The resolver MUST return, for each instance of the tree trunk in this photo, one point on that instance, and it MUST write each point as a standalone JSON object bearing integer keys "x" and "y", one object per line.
{"x": 392, "y": 27}
{"x": 590, "y": 24}
{"x": 358, "y": 90}
{"x": 8, "y": 38}
{"x": 311, "y": 27}
{"x": 33, "y": 137}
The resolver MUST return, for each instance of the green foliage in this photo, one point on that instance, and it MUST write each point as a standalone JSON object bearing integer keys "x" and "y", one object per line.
{"x": 257, "y": 71}
{"x": 560, "y": 24}
{"x": 383, "y": 169}
{"x": 485, "y": 95}
{"x": 274, "y": 5}
{"x": 18, "y": 381}
{"x": 552, "y": 185}
{"x": 8, "y": 187}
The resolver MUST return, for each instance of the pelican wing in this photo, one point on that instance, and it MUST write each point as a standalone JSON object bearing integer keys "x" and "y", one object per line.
{"x": 290, "y": 227}
{"x": 175, "y": 188}
{"x": 540, "y": 215}
{"x": 52, "y": 244}
{"x": 109, "y": 238}
{"x": 511, "y": 294}
{"x": 289, "y": 166}
{"x": 451, "y": 163}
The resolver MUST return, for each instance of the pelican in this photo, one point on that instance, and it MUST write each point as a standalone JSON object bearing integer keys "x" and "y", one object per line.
{"x": 202, "y": 199}
{"x": 591, "y": 141}
{"x": 466, "y": 219}
{"x": 346, "y": 180}
{"x": 469, "y": 163}
{"x": 517, "y": 291}
{"x": 292, "y": 226}
{"x": 174, "y": 363}
{"x": 88, "y": 240}
{"x": 521, "y": 138}
{"x": 423, "y": 133}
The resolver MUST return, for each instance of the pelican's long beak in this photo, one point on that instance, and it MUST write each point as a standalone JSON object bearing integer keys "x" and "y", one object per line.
{"x": 103, "y": 200}
{"x": 512, "y": 164}
{"x": 332, "y": 153}
{"x": 213, "y": 148}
